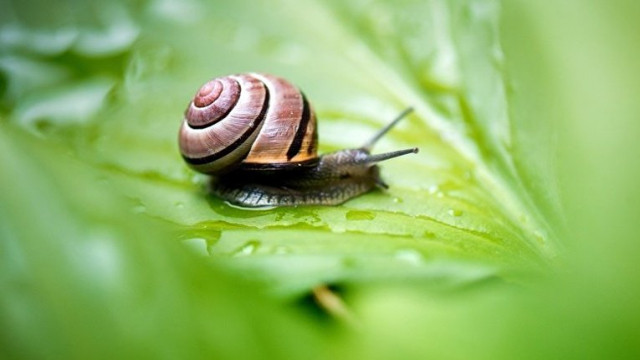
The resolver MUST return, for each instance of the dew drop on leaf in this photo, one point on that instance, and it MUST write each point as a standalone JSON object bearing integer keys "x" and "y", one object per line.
{"x": 409, "y": 256}
{"x": 281, "y": 250}
{"x": 360, "y": 215}
{"x": 197, "y": 245}
{"x": 455, "y": 212}
{"x": 247, "y": 248}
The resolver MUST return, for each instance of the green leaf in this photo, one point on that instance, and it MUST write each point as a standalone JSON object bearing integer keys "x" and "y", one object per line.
{"x": 459, "y": 210}
{"x": 111, "y": 247}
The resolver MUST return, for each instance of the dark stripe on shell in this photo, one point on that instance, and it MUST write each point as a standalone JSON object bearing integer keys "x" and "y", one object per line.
{"x": 296, "y": 144}
{"x": 231, "y": 147}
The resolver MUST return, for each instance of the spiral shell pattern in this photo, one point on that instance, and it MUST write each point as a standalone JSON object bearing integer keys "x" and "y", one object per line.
{"x": 248, "y": 120}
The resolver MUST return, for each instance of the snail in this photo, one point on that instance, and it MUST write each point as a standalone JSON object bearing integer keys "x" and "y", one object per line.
{"x": 257, "y": 135}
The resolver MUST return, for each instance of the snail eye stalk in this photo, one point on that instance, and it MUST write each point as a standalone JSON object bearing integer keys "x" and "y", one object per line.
{"x": 376, "y": 158}
{"x": 369, "y": 144}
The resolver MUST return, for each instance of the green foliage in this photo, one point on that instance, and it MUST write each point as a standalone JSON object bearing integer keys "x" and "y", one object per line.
{"x": 111, "y": 247}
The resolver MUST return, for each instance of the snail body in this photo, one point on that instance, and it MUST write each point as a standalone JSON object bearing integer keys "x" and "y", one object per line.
{"x": 257, "y": 135}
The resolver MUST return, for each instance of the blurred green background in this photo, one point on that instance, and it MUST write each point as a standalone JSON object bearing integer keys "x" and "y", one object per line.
{"x": 512, "y": 234}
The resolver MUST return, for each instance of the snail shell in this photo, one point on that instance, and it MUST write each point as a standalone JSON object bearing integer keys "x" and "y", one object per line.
{"x": 250, "y": 121}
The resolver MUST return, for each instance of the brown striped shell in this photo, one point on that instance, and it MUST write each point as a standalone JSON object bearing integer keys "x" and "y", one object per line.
{"x": 250, "y": 121}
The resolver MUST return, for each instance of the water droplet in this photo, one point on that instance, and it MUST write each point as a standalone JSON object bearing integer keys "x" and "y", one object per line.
{"x": 429, "y": 235}
{"x": 179, "y": 204}
{"x": 281, "y": 250}
{"x": 308, "y": 216}
{"x": 397, "y": 200}
{"x": 360, "y": 215}
{"x": 455, "y": 212}
{"x": 197, "y": 179}
{"x": 409, "y": 256}
{"x": 247, "y": 248}
{"x": 433, "y": 189}
{"x": 198, "y": 245}
{"x": 138, "y": 207}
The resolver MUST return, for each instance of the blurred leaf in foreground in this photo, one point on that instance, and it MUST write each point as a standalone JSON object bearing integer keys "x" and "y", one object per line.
{"x": 83, "y": 276}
